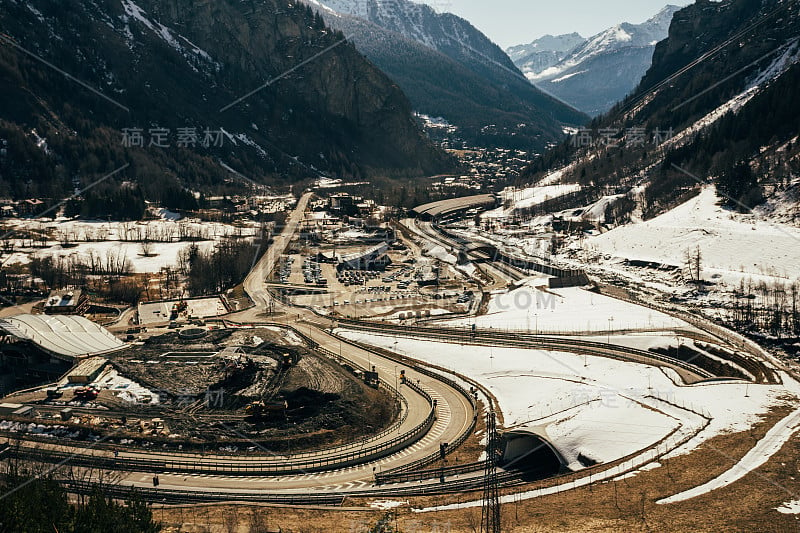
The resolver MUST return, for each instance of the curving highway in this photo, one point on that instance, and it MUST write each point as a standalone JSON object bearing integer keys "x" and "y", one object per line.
{"x": 415, "y": 438}
{"x": 434, "y": 410}
{"x": 254, "y": 282}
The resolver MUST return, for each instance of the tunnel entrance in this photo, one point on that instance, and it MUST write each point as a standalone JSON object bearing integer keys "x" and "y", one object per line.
{"x": 531, "y": 456}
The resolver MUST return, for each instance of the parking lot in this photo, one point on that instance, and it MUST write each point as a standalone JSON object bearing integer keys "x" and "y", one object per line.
{"x": 370, "y": 293}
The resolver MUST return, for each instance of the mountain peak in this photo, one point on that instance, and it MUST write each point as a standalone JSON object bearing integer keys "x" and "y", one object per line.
{"x": 451, "y": 69}
{"x": 606, "y": 67}
{"x": 545, "y": 51}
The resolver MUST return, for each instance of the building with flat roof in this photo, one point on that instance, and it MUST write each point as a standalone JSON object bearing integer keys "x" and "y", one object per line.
{"x": 454, "y": 206}
{"x": 373, "y": 258}
{"x": 87, "y": 370}
{"x": 66, "y": 302}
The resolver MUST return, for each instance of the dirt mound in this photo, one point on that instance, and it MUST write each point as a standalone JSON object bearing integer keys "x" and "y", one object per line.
{"x": 319, "y": 375}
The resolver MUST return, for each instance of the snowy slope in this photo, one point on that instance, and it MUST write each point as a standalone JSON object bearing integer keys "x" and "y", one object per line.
{"x": 419, "y": 22}
{"x": 536, "y": 56}
{"x": 621, "y": 36}
{"x": 529, "y": 197}
{"x": 599, "y": 408}
{"x": 733, "y": 245}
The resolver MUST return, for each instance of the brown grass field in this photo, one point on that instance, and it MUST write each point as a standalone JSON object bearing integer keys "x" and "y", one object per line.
{"x": 624, "y": 505}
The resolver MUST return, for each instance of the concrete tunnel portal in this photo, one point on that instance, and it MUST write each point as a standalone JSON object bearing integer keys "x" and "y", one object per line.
{"x": 528, "y": 451}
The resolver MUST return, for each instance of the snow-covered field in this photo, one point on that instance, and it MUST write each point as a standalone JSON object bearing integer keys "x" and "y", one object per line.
{"x": 529, "y": 197}
{"x": 161, "y": 254}
{"x": 595, "y": 407}
{"x": 533, "y": 307}
{"x": 732, "y": 245}
{"x": 114, "y": 240}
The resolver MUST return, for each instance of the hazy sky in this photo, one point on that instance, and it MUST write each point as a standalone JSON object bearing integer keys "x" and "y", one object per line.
{"x": 510, "y": 22}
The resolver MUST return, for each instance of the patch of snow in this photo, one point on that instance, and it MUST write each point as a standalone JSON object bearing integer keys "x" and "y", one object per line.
{"x": 765, "y": 448}
{"x": 790, "y": 507}
{"x": 126, "y": 389}
{"x": 567, "y": 76}
{"x": 166, "y": 214}
{"x": 250, "y": 142}
{"x": 438, "y": 252}
{"x": 733, "y": 245}
{"x": 35, "y": 12}
{"x": 385, "y": 505}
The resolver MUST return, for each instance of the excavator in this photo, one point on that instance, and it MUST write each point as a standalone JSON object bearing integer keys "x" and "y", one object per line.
{"x": 265, "y": 409}
{"x": 177, "y": 309}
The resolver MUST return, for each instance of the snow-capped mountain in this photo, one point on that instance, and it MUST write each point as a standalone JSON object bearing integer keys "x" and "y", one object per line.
{"x": 544, "y": 52}
{"x": 728, "y": 120}
{"x": 607, "y": 67}
{"x": 450, "y": 69}
{"x": 444, "y": 32}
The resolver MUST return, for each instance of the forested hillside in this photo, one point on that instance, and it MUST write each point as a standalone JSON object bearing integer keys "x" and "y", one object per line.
{"x": 159, "y": 86}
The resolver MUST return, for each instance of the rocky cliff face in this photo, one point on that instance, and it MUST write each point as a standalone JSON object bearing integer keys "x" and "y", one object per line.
{"x": 716, "y": 50}
{"x": 316, "y": 105}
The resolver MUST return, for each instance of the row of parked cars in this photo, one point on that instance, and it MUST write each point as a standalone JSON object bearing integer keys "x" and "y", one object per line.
{"x": 408, "y": 296}
{"x": 312, "y": 273}
{"x": 356, "y": 277}
{"x": 285, "y": 268}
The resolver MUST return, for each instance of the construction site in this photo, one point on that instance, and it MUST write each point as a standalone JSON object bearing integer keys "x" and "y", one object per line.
{"x": 236, "y": 389}
{"x": 431, "y": 373}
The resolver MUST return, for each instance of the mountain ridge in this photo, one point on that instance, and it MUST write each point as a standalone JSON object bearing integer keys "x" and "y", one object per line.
{"x": 178, "y": 64}
{"x": 606, "y": 67}
{"x": 544, "y": 52}
{"x": 715, "y": 107}
{"x": 450, "y": 69}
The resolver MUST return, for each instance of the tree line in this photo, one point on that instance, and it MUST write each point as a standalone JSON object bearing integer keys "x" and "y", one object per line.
{"x": 39, "y": 504}
{"x": 769, "y": 308}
